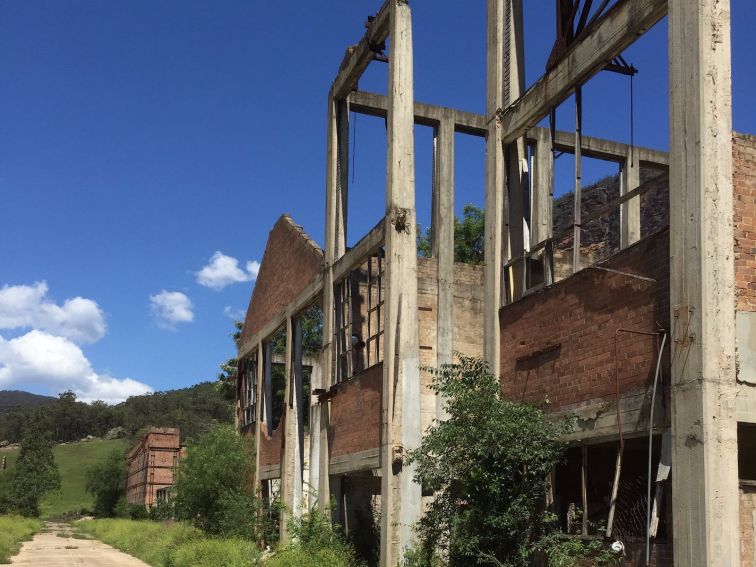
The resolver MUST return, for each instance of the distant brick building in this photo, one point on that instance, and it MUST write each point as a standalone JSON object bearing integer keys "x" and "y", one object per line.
{"x": 151, "y": 465}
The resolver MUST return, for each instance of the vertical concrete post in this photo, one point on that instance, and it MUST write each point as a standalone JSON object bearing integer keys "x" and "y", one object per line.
{"x": 705, "y": 468}
{"x": 443, "y": 244}
{"x": 257, "y": 424}
{"x": 289, "y": 424}
{"x": 337, "y": 176}
{"x": 514, "y": 86}
{"x": 543, "y": 189}
{"x": 630, "y": 231}
{"x": 577, "y": 195}
{"x": 316, "y": 383}
{"x": 401, "y": 427}
{"x": 495, "y": 179}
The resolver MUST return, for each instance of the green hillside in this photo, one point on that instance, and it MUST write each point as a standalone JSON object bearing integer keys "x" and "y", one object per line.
{"x": 73, "y": 461}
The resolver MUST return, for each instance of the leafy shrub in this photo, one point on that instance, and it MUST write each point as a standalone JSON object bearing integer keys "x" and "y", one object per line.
{"x": 128, "y": 511}
{"x": 213, "y": 489}
{"x": 162, "y": 510}
{"x": 488, "y": 465}
{"x": 106, "y": 481}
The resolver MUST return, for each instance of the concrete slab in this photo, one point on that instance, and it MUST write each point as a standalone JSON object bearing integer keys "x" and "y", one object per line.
{"x": 48, "y": 548}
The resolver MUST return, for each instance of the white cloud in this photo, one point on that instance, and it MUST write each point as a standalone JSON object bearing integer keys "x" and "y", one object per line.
{"x": 57, "y": 364}
{"x": 223, "y": 270}
{"x": 235, "y": 314}
{"x": 170, "y": 308}
{"x": 27, "y": 306}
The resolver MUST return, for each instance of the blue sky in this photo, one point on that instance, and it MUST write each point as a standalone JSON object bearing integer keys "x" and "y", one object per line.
{"x": 139, "y": 138}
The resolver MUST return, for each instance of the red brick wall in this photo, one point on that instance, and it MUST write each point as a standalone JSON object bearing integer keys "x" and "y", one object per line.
{"x": 744, "y": 168}
{"x": 270, "y": 448}
{"x": 356, "y": 413}
{"x": 290, "y": 263}
{"x": 558, "y": 343}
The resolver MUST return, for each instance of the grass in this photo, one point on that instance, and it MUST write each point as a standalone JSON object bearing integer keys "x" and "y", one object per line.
{"x": 73, "y": 460}
{"x": 14, "y": 530}
{"x": 173, "y": 544}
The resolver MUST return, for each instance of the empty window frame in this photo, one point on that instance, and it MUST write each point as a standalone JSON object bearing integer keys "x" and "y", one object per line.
{"x": 359, "y": 313}
{"x": 249, "y": 391}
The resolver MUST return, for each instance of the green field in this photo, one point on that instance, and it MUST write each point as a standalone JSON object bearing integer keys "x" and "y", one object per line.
{"x": 73, "y": 461}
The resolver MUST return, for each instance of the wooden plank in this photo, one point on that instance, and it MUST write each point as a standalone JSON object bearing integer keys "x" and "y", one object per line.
{"x": 358, "y": 57}
{"x": 609, "y": 37}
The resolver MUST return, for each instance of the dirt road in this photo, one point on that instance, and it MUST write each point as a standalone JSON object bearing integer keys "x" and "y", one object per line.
{"x": 54, "y": 547}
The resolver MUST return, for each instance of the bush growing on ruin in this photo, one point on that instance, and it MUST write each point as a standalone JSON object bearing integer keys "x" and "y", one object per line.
{"x": 106, "y": 482}
{"x": 214, "y": 485}
{"x": 488, "y": 466}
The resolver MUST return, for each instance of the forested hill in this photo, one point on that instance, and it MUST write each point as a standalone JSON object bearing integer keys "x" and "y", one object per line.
{"x": 194, "y": 410}
{"x": 10, "y": 399}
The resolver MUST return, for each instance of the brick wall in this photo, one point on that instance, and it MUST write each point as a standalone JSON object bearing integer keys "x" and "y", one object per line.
{"x": 356, "y": 413}
{"x": 290, "y": 263}
{"x": 151, "y": 463}
{"x": 270, "y": 447}
{"x": 744, "y": 174}
{"x": 558, "y": 343}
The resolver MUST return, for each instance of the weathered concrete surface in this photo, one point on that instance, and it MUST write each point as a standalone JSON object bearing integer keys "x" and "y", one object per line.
{"x": 48, "y": 548}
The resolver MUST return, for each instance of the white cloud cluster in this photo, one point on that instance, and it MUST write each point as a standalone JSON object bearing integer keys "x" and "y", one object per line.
{"x": 222, "y": 271}
{"x": 170, "y": 308}
{"x": 48, "y": 356}
{"x": 27, "y": 306}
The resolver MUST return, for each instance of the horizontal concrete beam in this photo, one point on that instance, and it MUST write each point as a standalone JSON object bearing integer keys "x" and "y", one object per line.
{"x": 358, "y": 57}
{"x": 609, "y": 37}
{"x": 306, "y": 297}
{"x": 360, "y": 251}
{"x": 373, "y": 104}
{"x": 609, "y": 150}
{"x": 362, "y": 461}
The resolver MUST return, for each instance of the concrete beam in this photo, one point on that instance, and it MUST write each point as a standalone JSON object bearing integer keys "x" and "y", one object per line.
{"x": 541, "y": 226}
{"x": 289, "y": 469}
{"x": 369, "y": 244}
{"x": 610, "y": 36}
{"x": 702, "y": 287}
{"x": 358, "y": 57}
{"x": 401, "y": 496}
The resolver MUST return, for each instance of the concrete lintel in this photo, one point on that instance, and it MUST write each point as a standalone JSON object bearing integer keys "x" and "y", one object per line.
{"x": 369, "y": 459}
{"x": 369, "y": 244}
{"x": 611, "y": 35}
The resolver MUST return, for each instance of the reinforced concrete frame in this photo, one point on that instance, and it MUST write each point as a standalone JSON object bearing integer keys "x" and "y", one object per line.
{"x": 704, "y": 387}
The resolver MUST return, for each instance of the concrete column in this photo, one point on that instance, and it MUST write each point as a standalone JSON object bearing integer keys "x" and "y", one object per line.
{"x": 543, "y": 189}
{"x": 336, "y": 223}
{"x": 443, "y": 245}
{"x": 288, "y": 459}
{"x": 705, "y": 468}
{"x": 577, "y": 195}
{"x": 316, "y": 383}
{"x": 630, "y": 231}
{"x": 495, "y": 179}
{"x": 258, "y": 418}
{"x": 401, "y": 495}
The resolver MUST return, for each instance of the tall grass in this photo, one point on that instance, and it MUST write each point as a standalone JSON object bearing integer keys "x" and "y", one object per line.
{"x": 13, "y": 530}
{"x": 172, "y": 544}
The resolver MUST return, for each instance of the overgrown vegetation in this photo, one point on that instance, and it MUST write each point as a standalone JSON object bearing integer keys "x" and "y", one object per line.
{"x": 488, "y": 466}
{"x": 194, "y": 410}
{"x": 34, "y": 475}
{"x": 468, "y": 237}
{"x": 14, "y": 530}
{"x": 171, "y": 545}
{"x": 106, "y": 482}
{"x": 214, "y": 485}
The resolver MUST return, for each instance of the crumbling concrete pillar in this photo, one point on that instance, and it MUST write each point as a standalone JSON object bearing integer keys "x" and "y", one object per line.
{"x": 702, "y": 284}
{"x": 401, "y": 426}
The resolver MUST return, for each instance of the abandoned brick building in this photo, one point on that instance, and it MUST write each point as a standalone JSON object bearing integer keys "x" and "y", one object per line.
{"x": 152, "y": 464}
{"x": 629, "y": 303}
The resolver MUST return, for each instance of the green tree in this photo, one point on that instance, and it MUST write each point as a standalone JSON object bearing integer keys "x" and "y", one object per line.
{"x": 488, "y": 466}
{"x": 106, "y": 482}
{"x": 35, "y": 473}
{"x": 214, "y": 486}
{"x": 468, "y": 237}
{"x": 228, "y": 369}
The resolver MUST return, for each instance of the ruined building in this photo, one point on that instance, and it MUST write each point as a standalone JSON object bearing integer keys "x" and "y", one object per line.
{"x": 628, "y": 303}
{"x": 152, "y": 465}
